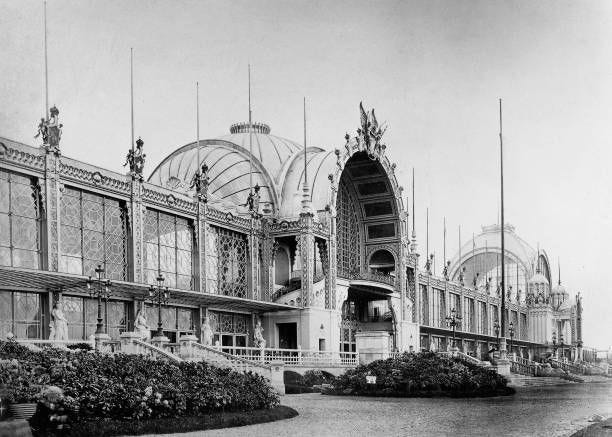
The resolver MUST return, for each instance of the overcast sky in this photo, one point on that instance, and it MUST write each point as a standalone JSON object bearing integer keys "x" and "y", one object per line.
{"x": 432, "y": 69}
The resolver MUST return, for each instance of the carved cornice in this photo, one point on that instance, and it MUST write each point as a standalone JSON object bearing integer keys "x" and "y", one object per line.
{"x": 21, "y": 155}
{"x": 94, "y": 178}
{"x": 167, "y": 199}
{"x": 225, "y": 218}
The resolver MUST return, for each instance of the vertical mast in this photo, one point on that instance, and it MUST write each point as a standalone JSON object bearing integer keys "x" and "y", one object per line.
{"x": 46, "y": 64}
{"x": 250, "y": 138}
{"x": 427, "y": 234}
{"x": 503, "y": 246}
{"x": 132, "y": 94}
{"x": 413, "y": 217}
{"x": 305, "y": 164}
{"x": 198, "y": 126}
{"x": 444, "y": 242}
{"x": 473, "y": 258}
{"x": 460, "y": 262}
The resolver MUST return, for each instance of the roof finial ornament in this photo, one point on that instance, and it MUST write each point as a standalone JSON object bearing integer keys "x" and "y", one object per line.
{"x": 370, "y": 134}
{"x": 51, "y": 131}
{"x": 200, "y": 182}
{"x": 136, "y": 160}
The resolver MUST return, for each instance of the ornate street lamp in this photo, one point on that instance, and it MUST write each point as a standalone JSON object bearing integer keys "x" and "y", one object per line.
{"x": 453, "y": 321}
{"x": 101, "y": 291}
{"x": 511, "y": 332}
{"x": 561, "y": 344}
{"x": 554, "y": 342}
{"x": 496, "y": 329}
{"x": 160, "y": 295}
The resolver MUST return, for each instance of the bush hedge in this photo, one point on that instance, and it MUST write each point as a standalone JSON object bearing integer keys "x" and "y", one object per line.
{"x": 424, "y": 374}
{"x": 123, "y": 386}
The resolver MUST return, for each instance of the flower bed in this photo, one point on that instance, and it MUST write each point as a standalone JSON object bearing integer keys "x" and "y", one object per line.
{"x": 129, "y": 386}
{"x": 423, "y": 374}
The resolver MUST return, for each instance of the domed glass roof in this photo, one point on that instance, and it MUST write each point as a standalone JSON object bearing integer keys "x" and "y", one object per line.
{"x": 229, "y": 162}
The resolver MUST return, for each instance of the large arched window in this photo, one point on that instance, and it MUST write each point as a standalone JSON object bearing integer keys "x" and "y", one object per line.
{"x": 347, "y": 233}
{"x": 281, "y": 267}
{"x": 382, "y": 261}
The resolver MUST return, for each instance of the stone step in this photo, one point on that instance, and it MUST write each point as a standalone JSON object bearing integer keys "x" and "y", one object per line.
{"x": 533, "y": 381}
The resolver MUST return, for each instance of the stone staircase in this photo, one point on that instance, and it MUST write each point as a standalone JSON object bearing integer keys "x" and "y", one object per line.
{"x": 517, "y": 380}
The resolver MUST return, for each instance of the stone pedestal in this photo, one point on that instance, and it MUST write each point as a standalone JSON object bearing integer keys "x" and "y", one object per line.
{"x": 372, "y": 345}
{"x": 503, "y": 364}
{"x": 186, "y": 343}
{"x": 160, "y": 341}
{"x": 127, "y": 342}
{"x": 277, "y": 376}
{"x": 99, "y": 340}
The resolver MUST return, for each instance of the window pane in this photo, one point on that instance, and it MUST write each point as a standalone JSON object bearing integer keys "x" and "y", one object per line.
{"x": 73, "y": 310}
{"x": 167, "y": 259}
{"x": 166, "y": 231}
{"x": 5, "y": 230}
{"x": 6, "y": 310}
{"x": 92, "y": 215}
{"x": 23, "y": 202}
{"x": 25, "y": 258}
{"x": 4, "y": 195}
{"x": 93, "y": 245}
{"x": 70, "y": 241}
{"x": 25, "y": 233}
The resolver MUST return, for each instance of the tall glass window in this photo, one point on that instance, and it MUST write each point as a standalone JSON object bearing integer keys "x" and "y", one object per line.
{"x": 523, "y": 331}
{"x": 483, "y": 323}
{"x": 169, "y": 249}
{"x": 493, "y": 318}
{"x": 82, "y": 316}
{"x": 455, "y": 302}
{"x": 227, "y": 262}
{"x": 438, "y": 308}
{"x": 93, "y": 231}
{"x": 468, "y": 317}
{"x": 20, "y": 314}
{"x": 19, "y": 221}
{"x": 176, "y": 321}
{"x": 348, "y": 235}
{"x": 424, "y": 305}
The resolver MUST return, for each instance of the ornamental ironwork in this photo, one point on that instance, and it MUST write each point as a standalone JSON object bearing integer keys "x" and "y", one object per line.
{"x": 348, "y": 235}
{"x": 227, "y": 262}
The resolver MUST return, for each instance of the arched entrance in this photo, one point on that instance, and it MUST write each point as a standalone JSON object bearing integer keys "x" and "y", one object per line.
{"x": 368, "y": 230}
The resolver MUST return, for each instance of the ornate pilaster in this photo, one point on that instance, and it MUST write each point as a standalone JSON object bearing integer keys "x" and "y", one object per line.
{"x": 51, "y": 202}
{"x": 324, "y": 255}
{"x": 269, "y": 248}
{"x": 136, "y": 216}
{"x": 200, "y": 236}
{"x": 51, "y": 132}
{"x": 254, "y": 258}
{"x": 306, "y": 244}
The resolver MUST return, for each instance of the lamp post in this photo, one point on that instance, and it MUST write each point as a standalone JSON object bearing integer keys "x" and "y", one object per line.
{"x": 561, "y": 344}
{"x": 101, "y": 291}
{"x": 160, "y": 295}
{"x": 554, "y": 342}
{"x": 496, "y": 329}
{"x": 453, "y": 321}
{"x": 511, "y": 332}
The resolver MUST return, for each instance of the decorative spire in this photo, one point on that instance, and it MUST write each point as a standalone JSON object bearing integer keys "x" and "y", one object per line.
{"x": 413, "y": 246}
{"x": 306, "y": 204}
{"x": 559, "y": 266}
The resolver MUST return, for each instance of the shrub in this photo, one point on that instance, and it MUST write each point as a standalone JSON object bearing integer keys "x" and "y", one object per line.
{"x": 134, "y": 386}
{"x": 423, "y": 374}
{"x": 317, "y": 377}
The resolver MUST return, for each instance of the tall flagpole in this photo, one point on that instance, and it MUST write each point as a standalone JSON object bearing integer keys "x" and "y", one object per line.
{"x": 503, "y": 246}
{"x": 46, "y": 65}
{"x": 132, "y": 93}
{"x": 444, "y": 260}
{"x": 198, "y": 126}
{"x": 305, "y": 166}
{"x": 427, "y": 234}
{"x": 250, "y": 138}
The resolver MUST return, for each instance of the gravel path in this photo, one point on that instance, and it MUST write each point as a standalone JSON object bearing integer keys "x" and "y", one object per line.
{"x": 542, "y": 411}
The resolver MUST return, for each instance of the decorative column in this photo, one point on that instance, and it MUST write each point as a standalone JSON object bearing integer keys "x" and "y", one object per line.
{"x": 306, "y": 244}
{"x": 324, "y": 255}
{"x": 51, "y": 132}
{"x": 332, "y": 259}
{"x": 269, "y": 248}
{"x": 136, "y": 159}
{"x": 254, "y": 242}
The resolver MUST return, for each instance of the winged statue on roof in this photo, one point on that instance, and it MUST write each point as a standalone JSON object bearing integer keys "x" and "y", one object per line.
{"x": 370, "y": 133}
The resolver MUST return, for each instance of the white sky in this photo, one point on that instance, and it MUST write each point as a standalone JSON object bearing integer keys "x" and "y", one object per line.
{"x": 432, "y": 69}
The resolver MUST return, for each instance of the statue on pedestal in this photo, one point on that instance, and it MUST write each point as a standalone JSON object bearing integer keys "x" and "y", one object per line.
{"x": 260, "y": 341}
{"x": 136, "y": 159}
{"x": 200, "y": 182}
{"x": 140, "y": 325}
{"x": 206, "y": 336}
{"x": 60, "y": 323}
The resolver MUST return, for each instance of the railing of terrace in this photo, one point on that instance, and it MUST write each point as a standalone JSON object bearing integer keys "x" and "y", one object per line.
{"x": 296, "y": 357}
{"x": 568, "y": 367}
{"x": 153, "y": 351}
{"x": 37, "y": 344}
{"x": 522, "y": 366}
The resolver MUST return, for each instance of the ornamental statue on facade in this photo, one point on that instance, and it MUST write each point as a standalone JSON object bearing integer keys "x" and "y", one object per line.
{"x": 445, "y": 272}
{"x": 141, "y": 326}
{"x": 200, "y": 182}
{"x": 136, "y": 159}
{"x": 475, "y": 281}
{"x": 253, "y": 200}
{"x": 428, "y": 264}
{"x": 59, "y": 325}
{"x": 488, "y": 286}
{"x": 51, "y": 131}
{"x": 260, "y": 341}
{"x": 462, "y": 276}
{"x": 370, "y": 134}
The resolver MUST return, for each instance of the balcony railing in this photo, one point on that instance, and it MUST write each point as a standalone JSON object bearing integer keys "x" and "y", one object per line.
{"x": 296, "y": 357}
